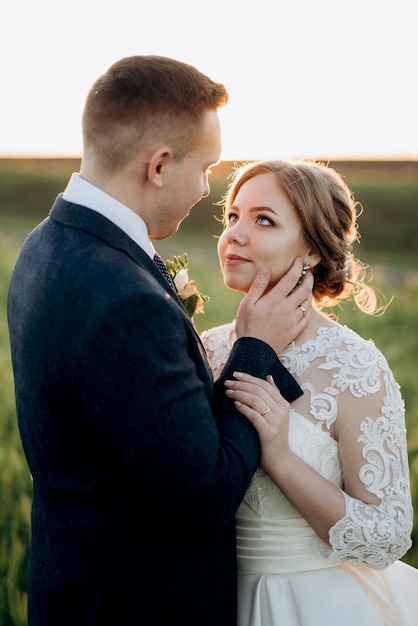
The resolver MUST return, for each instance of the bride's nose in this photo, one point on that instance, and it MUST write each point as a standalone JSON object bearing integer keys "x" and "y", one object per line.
{"x": 236, "y": 234}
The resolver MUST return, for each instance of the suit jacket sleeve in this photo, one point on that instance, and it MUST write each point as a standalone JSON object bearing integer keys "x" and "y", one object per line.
{"x": 259, "y": 359}
{"x": 191, "y": 455}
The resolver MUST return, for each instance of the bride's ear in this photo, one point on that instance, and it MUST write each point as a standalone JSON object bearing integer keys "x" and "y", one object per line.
{"x": 157, "y": 164}
{"x": 311, "y": 258}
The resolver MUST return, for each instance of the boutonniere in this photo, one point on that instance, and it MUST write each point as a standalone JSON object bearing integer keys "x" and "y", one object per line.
{"x": 186, "y": 289}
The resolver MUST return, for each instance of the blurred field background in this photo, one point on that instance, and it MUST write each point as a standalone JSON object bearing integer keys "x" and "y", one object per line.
{"x": 388, "y": 191}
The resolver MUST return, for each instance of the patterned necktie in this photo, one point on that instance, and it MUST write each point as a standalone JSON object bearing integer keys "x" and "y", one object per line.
{"x": 161, "y": 266}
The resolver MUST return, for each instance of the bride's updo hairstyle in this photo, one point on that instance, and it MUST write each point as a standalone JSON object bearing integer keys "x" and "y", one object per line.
{"x": 328, "y": 213}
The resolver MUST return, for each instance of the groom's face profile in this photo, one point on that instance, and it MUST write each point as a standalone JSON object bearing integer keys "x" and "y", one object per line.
{"x": 185, "y": 181}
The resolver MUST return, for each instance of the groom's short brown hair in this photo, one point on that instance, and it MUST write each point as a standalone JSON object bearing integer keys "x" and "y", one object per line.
{"x": 147, "y": 99}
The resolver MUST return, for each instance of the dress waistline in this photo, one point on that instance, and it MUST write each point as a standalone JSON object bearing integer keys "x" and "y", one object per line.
{"x": 278, "y": 547}
{"x": 283, "y": 565}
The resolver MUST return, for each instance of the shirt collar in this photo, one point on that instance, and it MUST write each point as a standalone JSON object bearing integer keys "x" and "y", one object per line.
{"x": 81, "y": 191}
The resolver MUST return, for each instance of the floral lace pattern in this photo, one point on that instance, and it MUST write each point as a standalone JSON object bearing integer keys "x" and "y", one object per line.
{"x": 259, "y": 493}
{"x": 346, "y": 382}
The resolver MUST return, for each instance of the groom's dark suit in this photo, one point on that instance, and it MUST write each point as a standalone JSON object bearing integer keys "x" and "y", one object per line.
{"x": 135, "y": 482}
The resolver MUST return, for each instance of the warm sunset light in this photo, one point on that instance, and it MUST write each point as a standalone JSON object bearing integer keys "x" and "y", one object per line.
{"x": 263, "y": 423}
{"x": 332, "y": 78}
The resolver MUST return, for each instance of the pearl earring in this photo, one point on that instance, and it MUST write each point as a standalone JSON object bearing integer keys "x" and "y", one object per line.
{"x": 306, "y": 266}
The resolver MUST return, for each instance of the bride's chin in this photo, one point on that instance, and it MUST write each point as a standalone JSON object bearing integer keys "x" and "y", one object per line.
{"x": 237, "y": 285}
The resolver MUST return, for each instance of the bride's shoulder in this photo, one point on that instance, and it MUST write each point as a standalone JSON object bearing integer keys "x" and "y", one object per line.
{"x": 218, "y": 342}
{"x": 329, "y": 335}
{"x": 339, "y": 340}
{"x": 216, "y": 334}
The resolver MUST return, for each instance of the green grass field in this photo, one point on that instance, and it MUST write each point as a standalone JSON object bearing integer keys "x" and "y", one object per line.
{"x": 389, "y": 194}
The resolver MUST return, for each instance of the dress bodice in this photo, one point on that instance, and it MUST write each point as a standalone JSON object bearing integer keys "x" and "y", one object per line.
{"x": 349, "y": 426}
{"x": 272, "y": 536}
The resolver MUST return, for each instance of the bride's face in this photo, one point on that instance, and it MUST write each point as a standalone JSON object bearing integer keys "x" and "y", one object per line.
{"x": 262, "y": 230}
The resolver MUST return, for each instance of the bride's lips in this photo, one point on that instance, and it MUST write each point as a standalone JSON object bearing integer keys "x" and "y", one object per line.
{"x": 235, "y": 259}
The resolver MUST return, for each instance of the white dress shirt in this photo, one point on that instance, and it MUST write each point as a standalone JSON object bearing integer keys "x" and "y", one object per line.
{"x": 80, "y": 191}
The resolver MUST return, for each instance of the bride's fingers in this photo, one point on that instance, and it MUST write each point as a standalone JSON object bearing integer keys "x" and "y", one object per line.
{"x": 256, "y": 393}
{"x": 255, "y": 385}
{"x": 253, "y": 402}
{"x": 254, "y": 380}
{"x": 270, "y": 380}
{"x": 272, "y": 426}
{"x": 256, "y": 419}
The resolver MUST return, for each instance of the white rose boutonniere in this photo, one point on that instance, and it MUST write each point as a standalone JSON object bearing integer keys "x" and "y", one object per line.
{"x": 186, "y": 289}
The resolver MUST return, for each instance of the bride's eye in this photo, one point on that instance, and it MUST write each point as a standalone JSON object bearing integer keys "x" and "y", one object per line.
{"x": 263, "y": 220}
{"x": 231, "y": 218}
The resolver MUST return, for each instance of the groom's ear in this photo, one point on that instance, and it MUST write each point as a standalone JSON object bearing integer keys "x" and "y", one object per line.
{"x": 157, "y": 164}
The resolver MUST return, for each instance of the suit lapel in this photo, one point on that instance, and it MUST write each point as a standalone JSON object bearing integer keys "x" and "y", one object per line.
{"x": 82, "y": 218}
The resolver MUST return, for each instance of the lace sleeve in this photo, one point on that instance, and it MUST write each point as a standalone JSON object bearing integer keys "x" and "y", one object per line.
{"x": 373, "y": 453}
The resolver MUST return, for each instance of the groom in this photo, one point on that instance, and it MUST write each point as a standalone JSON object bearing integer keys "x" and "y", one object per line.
{"x": 138, "y": 466}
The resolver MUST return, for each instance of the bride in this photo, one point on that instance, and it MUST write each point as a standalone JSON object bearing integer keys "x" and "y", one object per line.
{"x": 328, "y": 514}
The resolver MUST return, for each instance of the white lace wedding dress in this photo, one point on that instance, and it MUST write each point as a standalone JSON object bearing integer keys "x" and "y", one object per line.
{"x": 287, "y": 575}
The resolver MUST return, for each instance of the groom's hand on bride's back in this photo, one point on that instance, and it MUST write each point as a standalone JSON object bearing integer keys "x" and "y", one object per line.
{"x": 279, "y": 315}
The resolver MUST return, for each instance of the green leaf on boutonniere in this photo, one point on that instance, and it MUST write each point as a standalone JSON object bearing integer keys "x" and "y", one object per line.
{"x": 186, "y": 289}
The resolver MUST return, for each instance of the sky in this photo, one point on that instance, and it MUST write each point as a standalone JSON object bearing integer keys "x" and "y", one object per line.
{"x": 306, "y": 78}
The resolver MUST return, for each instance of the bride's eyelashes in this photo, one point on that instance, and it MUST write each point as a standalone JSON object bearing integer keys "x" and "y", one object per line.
{"x": 269, "y": 221}
{"x": 262, "y": 220}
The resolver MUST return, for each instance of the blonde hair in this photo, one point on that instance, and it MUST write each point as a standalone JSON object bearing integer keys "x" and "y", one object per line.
{"x": 328, "y": 212}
